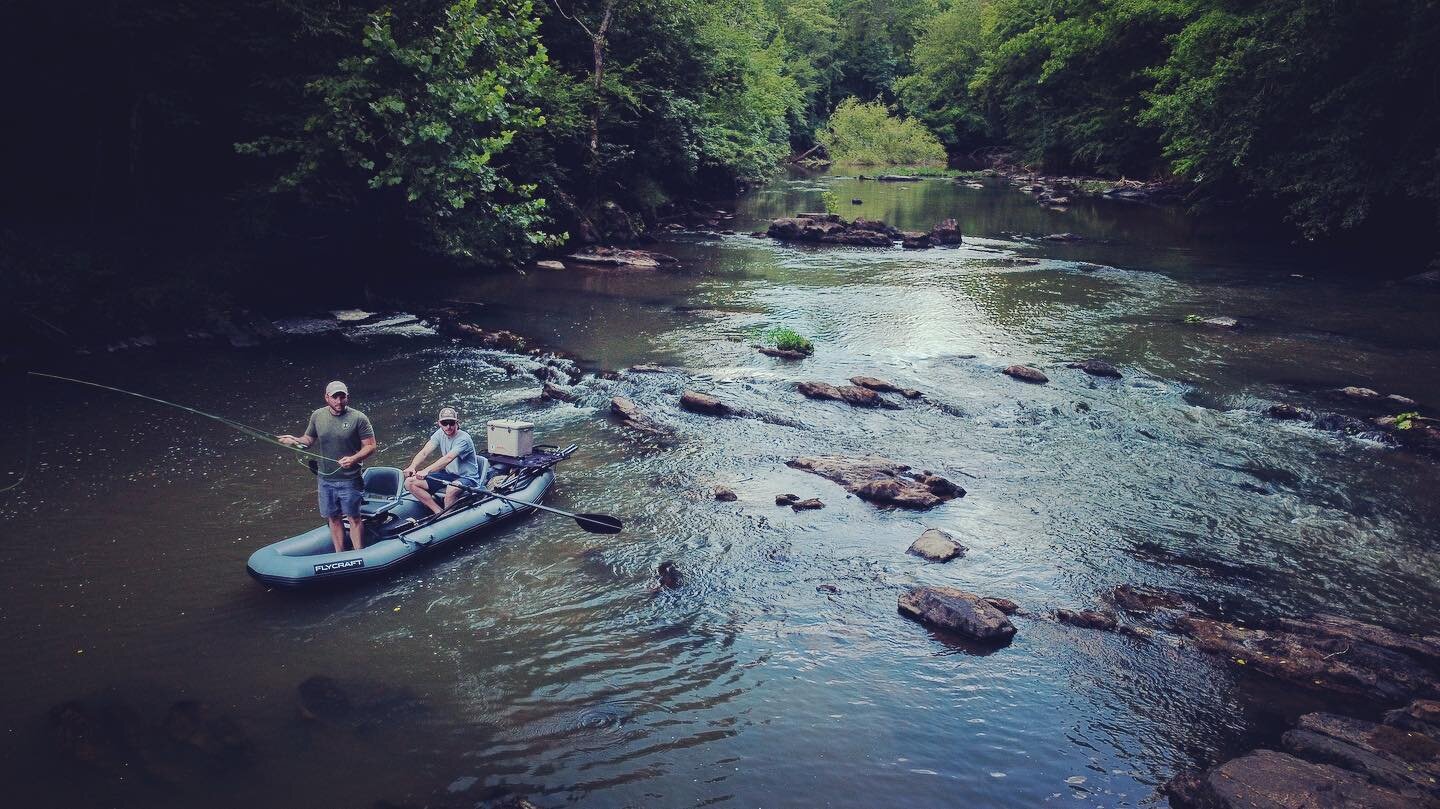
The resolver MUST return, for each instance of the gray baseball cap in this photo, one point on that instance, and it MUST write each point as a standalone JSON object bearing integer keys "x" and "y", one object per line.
{"x": 336, "y": 387}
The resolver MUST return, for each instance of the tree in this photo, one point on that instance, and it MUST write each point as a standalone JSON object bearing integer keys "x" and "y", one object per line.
{"x": 416, "y": 127}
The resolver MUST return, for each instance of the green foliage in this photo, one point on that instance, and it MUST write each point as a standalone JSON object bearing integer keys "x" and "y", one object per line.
{"x": 865, "y": 134}
{"x": 786, "y": 338}
{"x": 422, "y": 117}
{"x": 830, "y": 201}
{"x": 1405, "y": 421}
{"x": 1328, "y": 107}
{"x": 1194, "y": 319}
{"x": 946, "y": 57}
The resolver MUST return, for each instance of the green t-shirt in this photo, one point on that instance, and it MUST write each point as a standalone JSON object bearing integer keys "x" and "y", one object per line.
{"x": 338, "y": 436}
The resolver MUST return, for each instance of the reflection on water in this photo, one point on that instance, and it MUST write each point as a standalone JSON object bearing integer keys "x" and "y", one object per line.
{"x": 542, "y": 661}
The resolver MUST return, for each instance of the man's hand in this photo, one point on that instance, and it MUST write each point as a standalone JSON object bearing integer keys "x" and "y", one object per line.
{"x": 347, "y": 462}
{"x": 409, "y": 472}
{"x": 289, "y": 440}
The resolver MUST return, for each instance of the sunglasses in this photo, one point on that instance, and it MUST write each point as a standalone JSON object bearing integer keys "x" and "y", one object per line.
{"x": 449, "y": 423}
{"x": 339, "y": 396}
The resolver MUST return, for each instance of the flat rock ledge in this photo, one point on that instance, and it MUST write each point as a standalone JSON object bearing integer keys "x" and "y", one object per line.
{"x": 626, "y": 259}
{"x": 882, "y": 481}
{"x": 937, "y": 546}
{"x": 853, "y": 395}
{"x": 881, "y": 386}
{"x": 1329, "y": 761}
{"x": 957, "y": 611}
{"x": 1327, "y": 654}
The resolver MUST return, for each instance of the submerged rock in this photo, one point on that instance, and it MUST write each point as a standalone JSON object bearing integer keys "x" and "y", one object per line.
{"x": 786, "y": 499}
{"x": 668, "y": 575}
{"x": 783, "y": 353}
{"x": 725, "y": 494}
{"x": 1087, "y": 619}
{"x": 807, "y": 505}
{"x": 632, "y": 417}
{"x": 937, "y": 546}
{"x": 1217, "y": 322}
{"x": 551, "y": 392}
{"x": 957, "y": 611}
{"x": 882, "y": 481}
{"x": 1005, "y": 605}
{"x": 1025, "y": 373}
{"x": 550, "y": 265}
{"x": 1289, "y": 412}
{"x": 1095, "y": 367}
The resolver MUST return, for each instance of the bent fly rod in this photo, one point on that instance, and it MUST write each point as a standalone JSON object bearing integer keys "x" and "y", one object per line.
{"x": 231, "y": 423}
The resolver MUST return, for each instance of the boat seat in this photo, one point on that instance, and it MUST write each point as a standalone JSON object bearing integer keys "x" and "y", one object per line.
{"x": 383, "y": 486}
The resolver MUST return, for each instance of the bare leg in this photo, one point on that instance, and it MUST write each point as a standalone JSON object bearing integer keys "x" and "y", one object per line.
{"x": 452, "y": 493}
{"x": 357, "y": 532}
{"x": 416, "y": 486}
{"x": 337, "y": 533}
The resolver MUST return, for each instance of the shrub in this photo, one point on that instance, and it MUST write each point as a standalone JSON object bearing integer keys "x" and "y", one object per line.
{"x": 865, "y": 134}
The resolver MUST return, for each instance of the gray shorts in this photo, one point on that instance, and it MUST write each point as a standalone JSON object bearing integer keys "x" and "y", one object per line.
{"x": 340, "y": 496}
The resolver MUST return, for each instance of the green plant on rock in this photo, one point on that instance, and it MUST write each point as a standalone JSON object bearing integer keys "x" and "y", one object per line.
{"x": 784, "y": 337}
{"x": 1405, "y": 421}
{"x": 1194, "y": 319}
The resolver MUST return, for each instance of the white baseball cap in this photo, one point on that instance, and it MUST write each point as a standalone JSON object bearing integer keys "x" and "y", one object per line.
{"x": 336, "y": 387}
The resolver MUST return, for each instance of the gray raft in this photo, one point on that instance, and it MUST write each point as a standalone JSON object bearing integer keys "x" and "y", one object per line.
{"x": 398, "y": 528}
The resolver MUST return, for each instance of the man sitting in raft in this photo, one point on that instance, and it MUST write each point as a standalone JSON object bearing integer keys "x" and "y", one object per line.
{"x": 457, "y": 459}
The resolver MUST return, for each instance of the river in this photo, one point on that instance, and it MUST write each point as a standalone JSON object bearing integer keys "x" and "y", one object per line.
{"x": 542, "y": 661}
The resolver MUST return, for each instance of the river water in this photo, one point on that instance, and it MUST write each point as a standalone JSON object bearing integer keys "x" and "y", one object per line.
{"x": 542, "y": 661}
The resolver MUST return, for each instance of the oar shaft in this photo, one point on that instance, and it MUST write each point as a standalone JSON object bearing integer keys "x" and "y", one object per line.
{"x": 515, "y": 502}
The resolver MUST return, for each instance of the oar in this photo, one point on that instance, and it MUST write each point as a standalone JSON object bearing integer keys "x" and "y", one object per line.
{"x": 594, "y": 523}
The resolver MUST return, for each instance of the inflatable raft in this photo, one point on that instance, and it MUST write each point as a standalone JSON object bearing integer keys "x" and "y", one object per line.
{"x": 399, "y": 529}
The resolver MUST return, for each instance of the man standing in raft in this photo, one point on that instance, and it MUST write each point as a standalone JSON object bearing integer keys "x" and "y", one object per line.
{"x": 343, "y": 433}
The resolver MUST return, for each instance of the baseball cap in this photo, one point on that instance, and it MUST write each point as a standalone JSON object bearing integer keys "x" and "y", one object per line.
{"x": 336, "y": 387}
{"x": 447, "y": 413}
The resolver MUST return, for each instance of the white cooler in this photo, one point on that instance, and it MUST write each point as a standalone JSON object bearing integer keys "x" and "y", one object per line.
{"x": 511, "y": 438}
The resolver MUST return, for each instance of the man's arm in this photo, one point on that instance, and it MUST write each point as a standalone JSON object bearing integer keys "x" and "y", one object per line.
{"x": 420, "y": 457}
{"x": 306, "y": 440}
{"x": 367, "y": 448}
{"x": 442, "y": 463}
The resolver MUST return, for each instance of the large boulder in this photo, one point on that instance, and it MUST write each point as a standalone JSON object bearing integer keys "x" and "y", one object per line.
{"x": 831, "y": 229}
{"x": 937, "y": 546}
{"x": 882, "y": 481}
{"x": 946, "y": 232}
{"x": 957, "y": 611}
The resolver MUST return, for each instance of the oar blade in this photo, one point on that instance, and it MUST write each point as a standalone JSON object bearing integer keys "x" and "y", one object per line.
{"x": 599, "y": 523}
